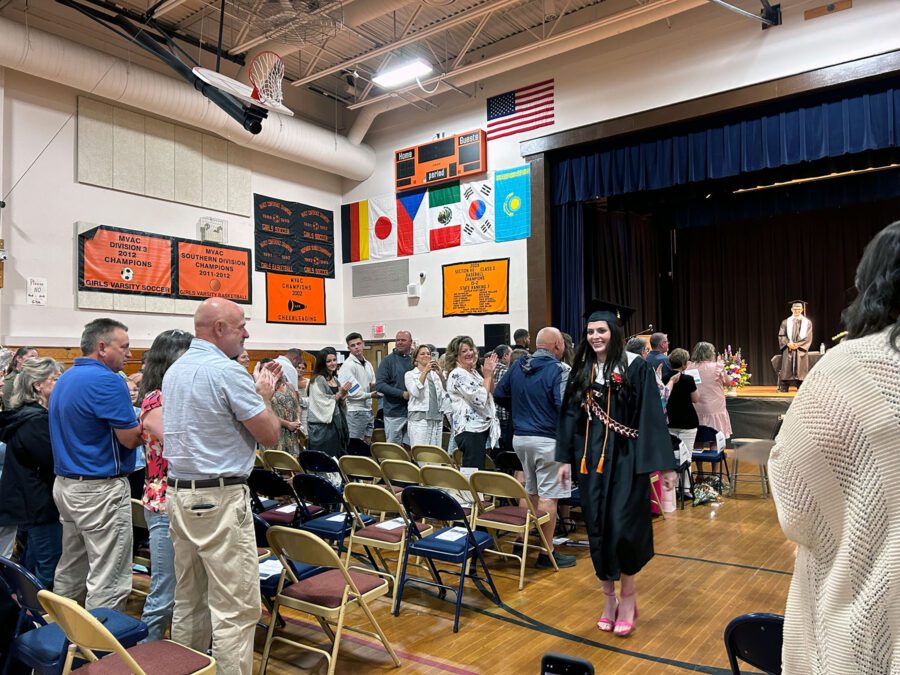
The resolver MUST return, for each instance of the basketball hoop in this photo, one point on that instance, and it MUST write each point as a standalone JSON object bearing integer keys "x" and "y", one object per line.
{"x": 266, "y": 72}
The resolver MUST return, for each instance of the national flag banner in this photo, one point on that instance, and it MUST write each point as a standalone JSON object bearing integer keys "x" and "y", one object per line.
{"x": 355, "y": 231}
{"x": 520, "y": 110}
{"x": 445, "y": 216}
{"x": 382, "y": 227}
{"x": 412, "y": 222}
{"x": 478, "y": 212}
{"x": 512, "y": 199}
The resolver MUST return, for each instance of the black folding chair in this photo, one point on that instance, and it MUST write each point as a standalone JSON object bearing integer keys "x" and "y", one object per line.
{"x": 335, "y": 522}
{"x": 320, "y": 463}
{"x": 755, "y": 639}
{"x": 357, "y": 446}
{"x": 459, "y": 545}
{"x": 263, "y": 482}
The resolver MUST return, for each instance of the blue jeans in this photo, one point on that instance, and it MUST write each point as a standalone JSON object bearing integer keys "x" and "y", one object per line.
{"x": 43, "y": 547}
{"x": 161, "y": 601}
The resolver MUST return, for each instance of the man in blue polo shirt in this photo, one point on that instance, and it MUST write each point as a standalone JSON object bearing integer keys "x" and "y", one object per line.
{"x": 532, "y": 390}
{"x": 93, "y": 431}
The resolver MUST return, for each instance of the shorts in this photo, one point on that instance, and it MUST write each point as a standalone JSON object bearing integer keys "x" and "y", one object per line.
{"x": 361, "y": 423}
{"x": 538, "y": 457}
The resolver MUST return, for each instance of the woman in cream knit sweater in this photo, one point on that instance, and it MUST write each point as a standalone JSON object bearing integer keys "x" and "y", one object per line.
{"x": 836, "y": 481}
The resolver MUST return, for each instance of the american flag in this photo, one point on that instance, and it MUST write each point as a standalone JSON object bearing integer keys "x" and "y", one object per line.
{"x": 520, "y": 110}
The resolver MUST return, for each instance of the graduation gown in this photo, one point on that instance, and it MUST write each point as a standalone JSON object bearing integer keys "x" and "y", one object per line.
{"x": 794, "y": 363}
{"x": 616, "y": 503}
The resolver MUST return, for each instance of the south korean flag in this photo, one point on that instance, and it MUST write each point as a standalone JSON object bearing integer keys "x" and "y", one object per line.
{"x": 478, "y": 207}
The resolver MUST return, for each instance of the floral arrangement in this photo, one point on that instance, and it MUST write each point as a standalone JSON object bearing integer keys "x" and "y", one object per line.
{"x": 736, "y": 374}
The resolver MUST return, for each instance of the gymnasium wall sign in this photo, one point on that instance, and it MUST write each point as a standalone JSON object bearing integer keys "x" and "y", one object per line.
{"x": 293, "y": 238}
{"x": 293, "y": 299}
{"x": 475, "y": 288}
{"x": 114, "y": 260}
{"x": 213, "y": 270}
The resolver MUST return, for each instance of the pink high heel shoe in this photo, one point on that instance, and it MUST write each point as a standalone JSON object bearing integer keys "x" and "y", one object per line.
{"x": 604, "y": 624}
{"x": 624, "y": 628}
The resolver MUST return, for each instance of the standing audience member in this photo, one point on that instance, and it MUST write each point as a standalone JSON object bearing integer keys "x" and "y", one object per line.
{"x": 425, "y": 384}
{"x": 659, "y": 347}
{"x": 613, "y": 430}
{"x": 683, "y": 420}
{"x": 26, "y": 486}
{"x": 360, "y": 417}
{"x": 522, "y": 339}
{"x": 303, "y": 396}
{"x": 244, "y": 359}
{"x": 93, "y": 430}
{"x": 327, "y": 421}
{"x": 392, "y": 385}
{"x": 212, "y": 419}
{"x": 569, "y": 355}
{"x": 533, "y": 389}
{"x": 15, "y": 366}
{"x": 289, "y": 362}
{"x": 285, "y": 407}
{"x": 504, "y": 353}
{"x": 711, "y": 410}
{"x": 474, "y": 418}
{"x": 832, "y": 479}
{"x": 637, "y": 347}
{"x": 166, "y": 349}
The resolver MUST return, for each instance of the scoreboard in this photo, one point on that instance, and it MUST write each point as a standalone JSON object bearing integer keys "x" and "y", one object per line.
{"x": 441, "y": 160}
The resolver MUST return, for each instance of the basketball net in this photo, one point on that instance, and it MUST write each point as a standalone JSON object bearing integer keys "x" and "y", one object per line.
{"x": 266, "y": 72}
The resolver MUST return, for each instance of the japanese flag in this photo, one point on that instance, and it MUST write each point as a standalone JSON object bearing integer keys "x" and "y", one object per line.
{"x": 382, "y": 227}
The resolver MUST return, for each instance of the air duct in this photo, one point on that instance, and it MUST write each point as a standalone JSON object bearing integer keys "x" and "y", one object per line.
{"x": 53, "y": 58}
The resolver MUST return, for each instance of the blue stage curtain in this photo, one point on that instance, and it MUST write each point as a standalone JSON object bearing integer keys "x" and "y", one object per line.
{"x": 567, "y": 275}
{"x": 762, "y": 140}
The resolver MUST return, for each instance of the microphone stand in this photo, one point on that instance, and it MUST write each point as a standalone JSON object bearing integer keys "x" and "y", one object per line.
{"x": 647, "y": 331}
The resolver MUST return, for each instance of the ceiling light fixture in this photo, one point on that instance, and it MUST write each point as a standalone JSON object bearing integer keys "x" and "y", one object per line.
{"x": 405, "y": 74}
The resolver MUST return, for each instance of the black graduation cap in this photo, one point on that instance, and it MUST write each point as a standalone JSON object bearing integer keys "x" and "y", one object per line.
{"x": 601, "y": 310}
{"x": 794, "y": 302}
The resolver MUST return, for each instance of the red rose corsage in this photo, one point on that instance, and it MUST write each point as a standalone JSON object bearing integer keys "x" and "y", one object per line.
{"x": 617, "y": 378}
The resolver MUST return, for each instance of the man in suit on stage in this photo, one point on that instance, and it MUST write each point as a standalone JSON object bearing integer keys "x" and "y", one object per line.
{"x": 794, "y": 339}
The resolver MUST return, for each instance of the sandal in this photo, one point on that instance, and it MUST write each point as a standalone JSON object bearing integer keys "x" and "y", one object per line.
{"x": 624, "y": 628}
{"x": 604, "y": 624}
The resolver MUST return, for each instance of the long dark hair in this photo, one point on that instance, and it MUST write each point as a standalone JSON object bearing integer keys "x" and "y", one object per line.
{"x": 320, "y": 369}
{"x": 21, "y": 351}
{"x": 165, "y": 350}
{"x": 582, "y": 375}
{"x": 877, "y": 305}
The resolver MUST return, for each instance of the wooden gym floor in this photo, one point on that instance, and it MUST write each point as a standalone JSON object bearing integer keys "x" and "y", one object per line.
{"x": 708, "y": 568}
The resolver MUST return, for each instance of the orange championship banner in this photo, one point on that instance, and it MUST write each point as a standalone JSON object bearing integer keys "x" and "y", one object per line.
{"x": 114, "y": 260}
{"x": 480, "y": 287}
{"x": 213, "y": 270}
{"x": 292, "y": 299}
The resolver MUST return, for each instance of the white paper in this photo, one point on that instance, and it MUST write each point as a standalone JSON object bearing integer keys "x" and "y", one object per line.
{"x": 290, "y": 508}
{"x": 453, "y": 534}
{"x": 694, "y": 373}
{"x": 36, "y": 291}
{"x": 337, "y": 517}
{"x": 344, "y": 377}
{"x": 467, "y": 471}
{"x": 394, "y": 524}
{"x": 269, "y": 568}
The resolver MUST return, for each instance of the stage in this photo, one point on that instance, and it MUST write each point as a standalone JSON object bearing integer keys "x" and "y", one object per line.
{"x": 754, "y": 411}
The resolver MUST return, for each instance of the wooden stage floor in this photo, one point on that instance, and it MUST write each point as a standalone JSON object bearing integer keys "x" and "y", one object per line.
{"x": 707, "y": 570}
{"x": 765, "y": 391}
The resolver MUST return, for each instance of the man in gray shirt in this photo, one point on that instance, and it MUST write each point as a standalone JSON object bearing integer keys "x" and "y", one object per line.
{"x": 391, "y": 383}
{"x": 213, "y": 416}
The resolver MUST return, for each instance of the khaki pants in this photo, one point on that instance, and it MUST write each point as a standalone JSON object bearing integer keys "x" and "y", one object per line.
{"x": 95, "y": 567}
{"x": 216, "y": 572}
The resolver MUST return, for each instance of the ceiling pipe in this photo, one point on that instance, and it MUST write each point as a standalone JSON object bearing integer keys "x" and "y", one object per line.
{"x": 561, "y": 43}
{"x": 54, "y": 58}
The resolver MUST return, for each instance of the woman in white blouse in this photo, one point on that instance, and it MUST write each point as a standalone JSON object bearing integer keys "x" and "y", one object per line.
{"x": 425, "y": 384}
{"x": 474, "y": 418}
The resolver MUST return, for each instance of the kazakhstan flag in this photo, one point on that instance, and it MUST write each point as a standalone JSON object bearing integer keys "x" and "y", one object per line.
{"x": 512, "y": 203}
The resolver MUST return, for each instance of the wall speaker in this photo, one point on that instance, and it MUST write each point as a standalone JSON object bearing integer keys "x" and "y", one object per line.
{"x": 495, "y": 334}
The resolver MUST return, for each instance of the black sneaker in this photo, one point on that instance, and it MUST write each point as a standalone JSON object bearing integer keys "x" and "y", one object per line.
{"x": 562, "y": 560}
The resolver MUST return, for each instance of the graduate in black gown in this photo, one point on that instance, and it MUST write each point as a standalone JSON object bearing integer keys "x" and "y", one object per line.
{"x": 613, "y": 435}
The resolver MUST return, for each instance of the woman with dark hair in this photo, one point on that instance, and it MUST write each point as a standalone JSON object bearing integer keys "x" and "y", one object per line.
{"x": 165, "y": 350}
{"x": 832, "y": 475}
{"x": 26, "y": 487}
{"x": 15, "y": 366}
{"x": 613, "y": 431}
{"x": 327, "y": 421}
{"x": 475, "y": 420}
